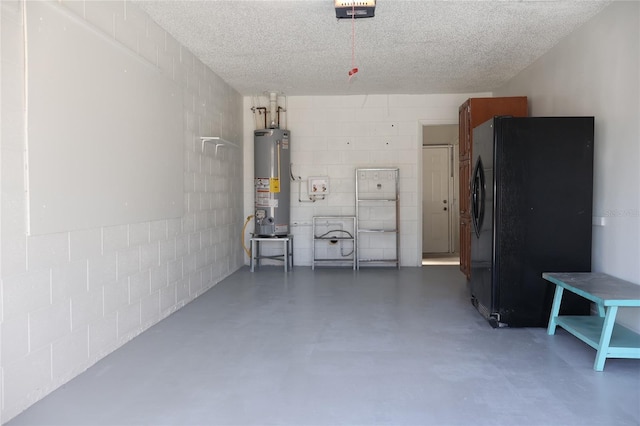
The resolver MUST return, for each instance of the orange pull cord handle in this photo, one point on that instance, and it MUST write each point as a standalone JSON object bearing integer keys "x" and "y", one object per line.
{"x": 354, "y": 69}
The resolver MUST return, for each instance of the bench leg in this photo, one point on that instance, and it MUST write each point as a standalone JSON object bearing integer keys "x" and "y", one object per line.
{"x": 605, "y": 337}
{"x": 555, "y": 310}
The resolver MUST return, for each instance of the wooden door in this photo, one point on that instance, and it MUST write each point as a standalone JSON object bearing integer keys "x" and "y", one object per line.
{"x": 436, "y": 214}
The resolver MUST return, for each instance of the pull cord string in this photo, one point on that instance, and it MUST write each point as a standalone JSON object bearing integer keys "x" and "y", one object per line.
{"x": 354, "y": 69}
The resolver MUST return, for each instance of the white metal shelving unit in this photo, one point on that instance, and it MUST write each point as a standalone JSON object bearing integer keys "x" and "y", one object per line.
{"x": 338, "y": 232}
{"x": 377, "y": 216}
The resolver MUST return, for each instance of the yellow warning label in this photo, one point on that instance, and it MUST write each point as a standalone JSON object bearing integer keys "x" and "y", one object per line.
{"x": 274, "y": 185}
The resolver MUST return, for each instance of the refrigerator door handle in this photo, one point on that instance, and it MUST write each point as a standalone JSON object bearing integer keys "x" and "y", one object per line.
{"x": 477, "y": 196}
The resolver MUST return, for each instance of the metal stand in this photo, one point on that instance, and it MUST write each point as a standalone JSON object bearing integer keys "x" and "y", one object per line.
{"x": 287, "y": 250}
{"x": 378, "y": 216}
{"x": 334, "y": 230}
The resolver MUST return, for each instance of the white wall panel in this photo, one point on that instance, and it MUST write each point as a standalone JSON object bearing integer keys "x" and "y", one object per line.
{"x": 105, "y": 128}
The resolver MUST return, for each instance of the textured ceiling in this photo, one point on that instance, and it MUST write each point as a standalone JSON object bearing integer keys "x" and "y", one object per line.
{"x": 409, "y": 47}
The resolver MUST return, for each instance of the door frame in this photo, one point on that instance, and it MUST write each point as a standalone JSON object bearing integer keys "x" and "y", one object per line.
{"x": 452, "y": 199}
{"x": 420, "y": 124}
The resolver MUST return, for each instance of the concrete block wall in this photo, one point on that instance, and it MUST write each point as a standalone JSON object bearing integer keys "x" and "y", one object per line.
{"x": 69, "y": 299}
{"x": 334, "y": 135}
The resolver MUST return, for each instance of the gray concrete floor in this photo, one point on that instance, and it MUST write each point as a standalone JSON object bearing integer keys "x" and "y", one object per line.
{"x": 338, "y": 347}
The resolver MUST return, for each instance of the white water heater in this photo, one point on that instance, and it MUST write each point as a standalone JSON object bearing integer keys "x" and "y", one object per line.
{"x": 272, "y": 183}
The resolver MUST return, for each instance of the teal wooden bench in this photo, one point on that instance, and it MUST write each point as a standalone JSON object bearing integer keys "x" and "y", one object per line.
{"x": 601, "y": 332}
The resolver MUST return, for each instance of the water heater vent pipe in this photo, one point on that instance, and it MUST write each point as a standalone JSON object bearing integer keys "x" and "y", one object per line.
{"x": 273, "y": 110}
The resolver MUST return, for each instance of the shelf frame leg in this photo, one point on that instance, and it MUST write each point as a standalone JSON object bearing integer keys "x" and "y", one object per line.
{"x": 251, "y": 254}
{"x": 285, "y": 256}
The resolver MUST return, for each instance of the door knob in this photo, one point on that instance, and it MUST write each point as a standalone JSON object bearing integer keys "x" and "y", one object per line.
{"x": 444, "y": 201}
{"x": 445, "y": 209}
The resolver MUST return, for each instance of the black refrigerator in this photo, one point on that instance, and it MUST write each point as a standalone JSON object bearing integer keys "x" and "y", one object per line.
{"x": 531, "y": 204}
